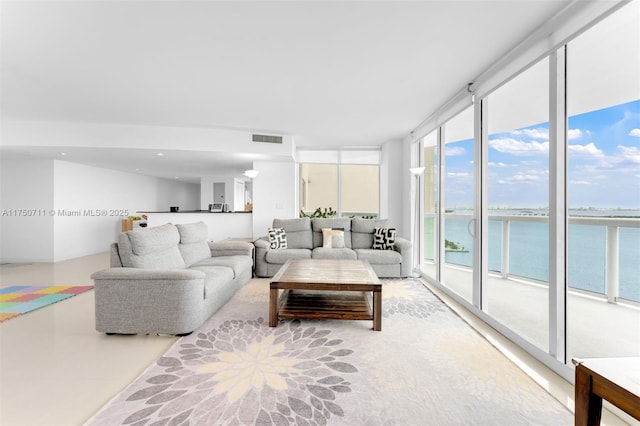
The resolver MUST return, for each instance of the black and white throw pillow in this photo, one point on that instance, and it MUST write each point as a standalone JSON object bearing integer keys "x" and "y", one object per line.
{"x": 277, "y": 238}
{"x": 384, "y": 238}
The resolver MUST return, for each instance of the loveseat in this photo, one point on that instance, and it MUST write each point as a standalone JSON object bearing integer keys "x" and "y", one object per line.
{"x": 305, "y": 240}
{"x": 168, "y": 279}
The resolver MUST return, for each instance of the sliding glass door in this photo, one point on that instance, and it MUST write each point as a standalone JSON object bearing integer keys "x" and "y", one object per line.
{"x": 430, "y": 196}
{"x": 458, "y": 196}
{"x": 518, "y": 199}
{"x": 543, "y": 183}
{"x": 603, "y": 157}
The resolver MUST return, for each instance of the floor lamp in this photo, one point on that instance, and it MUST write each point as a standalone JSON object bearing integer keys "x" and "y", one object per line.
{"x": 416, "y": 173}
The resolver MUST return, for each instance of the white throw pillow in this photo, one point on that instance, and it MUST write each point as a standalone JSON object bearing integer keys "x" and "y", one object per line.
{"x": 332, "y": 238}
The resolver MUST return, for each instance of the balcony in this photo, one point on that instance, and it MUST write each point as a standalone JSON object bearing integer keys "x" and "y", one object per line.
{"x": 600, "y": 321}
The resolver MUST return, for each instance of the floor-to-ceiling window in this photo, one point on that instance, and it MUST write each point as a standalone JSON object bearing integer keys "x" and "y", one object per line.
{"x": 603, "y": 191}
{"x": 559, "y": 180}
{"x": 518, "y": 200}
{"x": 430, "y": 196}
{"x": 360, "y": 183}
{"x": 458, "y": 195}
{"x": 342, "y": 183}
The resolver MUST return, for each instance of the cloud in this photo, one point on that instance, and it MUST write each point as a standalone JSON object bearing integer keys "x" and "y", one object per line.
{"x": 454, "y": 150}
{"x": 539, "y": 133}
{"x": 579, "y": 182}
{"x": 518, "y": 147}
{"x": 635, "y": 132}
{"x": 458, "y": 175}
{"x": 577, "y": 134}
{"x": 543, "y": 134}
{"x": 589, "y": 151}
{"x": 530, "y": 177}
{"x": 629, "y": 154}
{"x": 500, "y": 164}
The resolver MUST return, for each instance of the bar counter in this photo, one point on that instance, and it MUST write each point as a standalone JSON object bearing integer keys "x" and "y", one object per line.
{"x": 221, "y": 225}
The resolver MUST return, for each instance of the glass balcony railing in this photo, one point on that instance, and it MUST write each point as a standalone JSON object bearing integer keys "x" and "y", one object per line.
{"x": 604, "y": 252}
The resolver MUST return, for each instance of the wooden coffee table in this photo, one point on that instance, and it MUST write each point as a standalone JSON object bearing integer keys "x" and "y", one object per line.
{"x": 326, "y": 289}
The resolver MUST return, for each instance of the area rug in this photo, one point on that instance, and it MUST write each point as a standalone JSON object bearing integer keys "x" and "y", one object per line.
{"x": 426, "y": 367}
{"x": 19, "y": 299}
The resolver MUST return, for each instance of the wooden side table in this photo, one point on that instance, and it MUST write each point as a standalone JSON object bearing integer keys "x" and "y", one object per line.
{"x": 615, "y": 379}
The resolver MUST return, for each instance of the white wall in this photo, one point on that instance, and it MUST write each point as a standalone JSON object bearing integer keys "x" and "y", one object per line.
{"x": 26, "y": 198}
{"x": 392, "y": 194}
{"x": 79, "y": 207}
{"x": 274, "y": 194}
{"x": 100, "y": 197}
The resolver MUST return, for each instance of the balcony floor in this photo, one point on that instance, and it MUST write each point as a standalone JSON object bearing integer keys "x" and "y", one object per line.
{"x": 596, "y": 328}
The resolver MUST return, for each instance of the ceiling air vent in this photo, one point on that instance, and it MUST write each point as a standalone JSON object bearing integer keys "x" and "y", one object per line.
{"x": 266, "y": 138}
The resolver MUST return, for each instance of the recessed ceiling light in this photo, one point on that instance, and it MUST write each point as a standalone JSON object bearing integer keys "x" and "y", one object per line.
{"x": 176, "y": 177}
{"x": 160, "y": 154}
{"x": 63, "y": 154}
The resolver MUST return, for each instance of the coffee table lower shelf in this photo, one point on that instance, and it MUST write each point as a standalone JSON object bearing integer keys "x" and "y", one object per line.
{"x": 309, "y": 304}
{"x": 325, "y": 305}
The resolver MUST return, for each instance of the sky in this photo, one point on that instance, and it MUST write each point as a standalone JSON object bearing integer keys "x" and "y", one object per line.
{"x": 603, "y": 163}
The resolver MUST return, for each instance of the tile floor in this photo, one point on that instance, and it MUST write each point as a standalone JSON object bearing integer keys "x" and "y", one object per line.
{"x": 55, "y": 369}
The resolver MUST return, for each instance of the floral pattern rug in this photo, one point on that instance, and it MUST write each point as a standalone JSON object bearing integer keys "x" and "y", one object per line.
{"x": 426, "y": 367}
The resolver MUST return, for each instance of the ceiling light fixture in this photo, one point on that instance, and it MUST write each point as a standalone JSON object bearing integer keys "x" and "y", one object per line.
{"x": 160, "y": 154}
{"x": 251, "y": 173}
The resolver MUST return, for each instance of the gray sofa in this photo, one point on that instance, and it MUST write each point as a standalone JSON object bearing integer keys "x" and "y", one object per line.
{"x": 168, "y": 279}
{"x": 305, "y": 241}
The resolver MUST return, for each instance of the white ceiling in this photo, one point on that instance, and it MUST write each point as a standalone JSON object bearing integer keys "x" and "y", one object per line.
{"x": 329, "y": 73}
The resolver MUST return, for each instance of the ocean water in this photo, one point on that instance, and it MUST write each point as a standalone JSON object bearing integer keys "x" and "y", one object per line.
{"x": 529, "y": 252}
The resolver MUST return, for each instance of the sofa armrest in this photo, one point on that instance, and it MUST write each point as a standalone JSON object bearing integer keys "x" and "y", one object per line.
{"x": 262, "y": 247}
{"x": 405, "y": 248}
{"x": 132, "y": 300}
{"x": 262, "y": 243}
{"x": 231, "y": 248}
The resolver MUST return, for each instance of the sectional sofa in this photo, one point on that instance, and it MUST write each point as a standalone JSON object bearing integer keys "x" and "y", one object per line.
{"x": 168, "y": 279}
{"x": 305, "y": 239}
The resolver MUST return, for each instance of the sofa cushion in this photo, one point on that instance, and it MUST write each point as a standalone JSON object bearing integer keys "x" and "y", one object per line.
{"x": 332, "y": 238}
{"x": 236, "y": 263}
{"x": 298, "y": 232}
{"x": 362, "y": 232}
{"x": 333, "y": 253}
{"x": 215, "y": 276}
{"x": 367, "y": 226}
{"x": 379, "y": 256}
{"x": 193, "y": 242}
{"x": 281, "y": 256}
{"x": 277, "y": 238}
{"x": 151, "y": 248}
{"x": 231, "y": 248}
{"x": 341, "y": 224}
{"x": 193, "y": 232}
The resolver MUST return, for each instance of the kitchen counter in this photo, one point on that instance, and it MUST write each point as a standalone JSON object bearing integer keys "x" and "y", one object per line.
{"x": 221, "y": 225}
{"x": 192, "y": 211}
